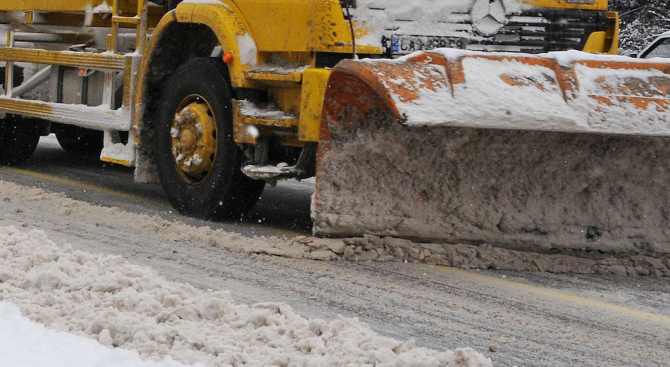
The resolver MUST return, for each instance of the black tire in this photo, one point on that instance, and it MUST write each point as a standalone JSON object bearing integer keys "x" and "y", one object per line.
{"x": 78, "y": 140}
{"x": 226, "y": 193}
{"x": 18, "y": 139}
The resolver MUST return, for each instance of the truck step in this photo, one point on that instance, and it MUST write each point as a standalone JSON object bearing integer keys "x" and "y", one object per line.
{"x": 252, "y": 113}
{"x": 271, "y": 173}
{"x": 276, "y": 74}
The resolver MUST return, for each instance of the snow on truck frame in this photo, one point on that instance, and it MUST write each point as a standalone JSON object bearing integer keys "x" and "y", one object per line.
{"x": 217, "y": 97}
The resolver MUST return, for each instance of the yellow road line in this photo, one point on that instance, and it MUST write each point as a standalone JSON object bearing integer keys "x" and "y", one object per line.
{"x": 105, "y": 190}
{"x": 83, "y": 185}
{"x": 558, "y": 295}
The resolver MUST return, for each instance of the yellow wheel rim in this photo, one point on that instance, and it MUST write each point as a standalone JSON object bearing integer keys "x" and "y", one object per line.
{"x": 194, "y": 139}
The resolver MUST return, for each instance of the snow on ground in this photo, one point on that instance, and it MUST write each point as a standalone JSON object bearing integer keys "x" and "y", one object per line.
{"x": 131, "y": 307}
{"x": 26, "y": 343}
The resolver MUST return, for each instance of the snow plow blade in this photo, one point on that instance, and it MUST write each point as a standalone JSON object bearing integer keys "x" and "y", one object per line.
{"x": 565, "y": 151}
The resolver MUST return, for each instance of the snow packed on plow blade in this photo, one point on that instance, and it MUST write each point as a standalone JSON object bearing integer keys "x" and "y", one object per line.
{"x": 462, "y": 147}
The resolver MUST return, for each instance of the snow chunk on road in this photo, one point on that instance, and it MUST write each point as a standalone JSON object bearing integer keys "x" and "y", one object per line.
{"x": 25, "y": 343}
{"x": 131, "y": 307}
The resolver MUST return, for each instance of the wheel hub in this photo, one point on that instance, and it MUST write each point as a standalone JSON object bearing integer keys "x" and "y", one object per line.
{"x": 188, "y": 140}
{"x": 194, "y": 136}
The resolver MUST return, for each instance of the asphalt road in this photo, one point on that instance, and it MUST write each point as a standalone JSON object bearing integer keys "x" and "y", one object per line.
{"x": 283, "y": 209}
{"x": 522, "y": 319}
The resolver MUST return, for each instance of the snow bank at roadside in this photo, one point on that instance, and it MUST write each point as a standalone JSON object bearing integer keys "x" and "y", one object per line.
{"x": 131, "y": 307}
{"x": 25, "y": 343}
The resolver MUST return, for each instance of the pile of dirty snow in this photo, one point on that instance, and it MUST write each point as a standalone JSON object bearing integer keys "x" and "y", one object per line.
{"x": 131, "y": 307}
{"x": 26, "y": 343}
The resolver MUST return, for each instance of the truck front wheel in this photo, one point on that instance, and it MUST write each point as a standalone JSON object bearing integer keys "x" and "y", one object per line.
{"x": 197, "y": 158}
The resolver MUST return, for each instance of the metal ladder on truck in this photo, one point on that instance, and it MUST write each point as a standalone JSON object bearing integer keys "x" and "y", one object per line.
{"x": 115, "y": 66}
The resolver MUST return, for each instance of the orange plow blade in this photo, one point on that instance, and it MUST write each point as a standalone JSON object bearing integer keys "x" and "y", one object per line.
{"x": 563, "y": 91}
{"x": 461, "y": 147}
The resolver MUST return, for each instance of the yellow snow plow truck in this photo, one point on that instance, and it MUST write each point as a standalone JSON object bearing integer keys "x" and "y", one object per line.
{"x": 471, "y": 121}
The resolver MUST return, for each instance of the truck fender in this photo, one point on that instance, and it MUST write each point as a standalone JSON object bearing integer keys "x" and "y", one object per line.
{"x": 211, "y": 22}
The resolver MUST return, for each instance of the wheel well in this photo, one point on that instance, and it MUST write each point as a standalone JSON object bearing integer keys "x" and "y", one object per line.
{"x": 178, "y": 43}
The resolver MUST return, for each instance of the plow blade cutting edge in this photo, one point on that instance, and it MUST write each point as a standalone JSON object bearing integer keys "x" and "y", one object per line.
{"x": 454, "y": 146}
